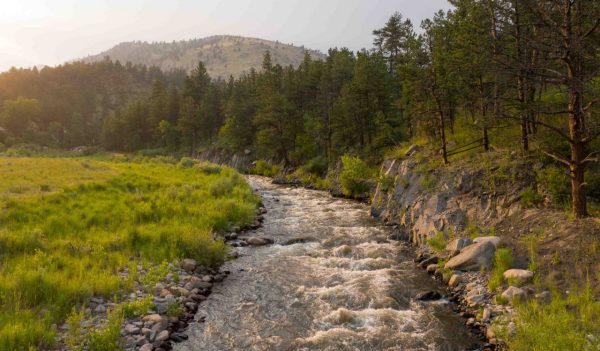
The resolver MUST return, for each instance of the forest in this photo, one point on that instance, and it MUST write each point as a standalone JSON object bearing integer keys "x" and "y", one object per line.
{"x": 486, "y": 75}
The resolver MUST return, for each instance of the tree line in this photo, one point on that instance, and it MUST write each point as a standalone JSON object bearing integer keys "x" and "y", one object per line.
{"x": 520, "y": 74}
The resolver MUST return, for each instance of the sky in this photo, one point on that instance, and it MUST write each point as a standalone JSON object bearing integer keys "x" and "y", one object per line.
{"x": 50, "y": 32}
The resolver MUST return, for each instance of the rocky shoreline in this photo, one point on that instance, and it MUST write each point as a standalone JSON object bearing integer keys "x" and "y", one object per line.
{"x": 157, "y": 331}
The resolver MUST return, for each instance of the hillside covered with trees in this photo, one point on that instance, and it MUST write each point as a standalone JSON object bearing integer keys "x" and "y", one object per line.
{"x": 520, "y": 76}
{"x": 222, "y": 55}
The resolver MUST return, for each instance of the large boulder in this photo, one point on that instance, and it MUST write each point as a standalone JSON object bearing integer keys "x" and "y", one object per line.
{"x": 455, "y": 246}
{"x": 473, "y": 257}
{"x": 493, "y": 239}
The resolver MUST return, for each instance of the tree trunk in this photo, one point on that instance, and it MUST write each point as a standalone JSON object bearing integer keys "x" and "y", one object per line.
{"x": 578, "y": 153}
{"x": 521, "y": 80}
{"x": 486, "y": 140}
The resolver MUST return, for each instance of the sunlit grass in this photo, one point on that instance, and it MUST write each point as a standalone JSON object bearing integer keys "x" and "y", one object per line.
{"x": 34, "y": 176}
{"x": 60, "y": 247}
{"x": 565, "y": 323}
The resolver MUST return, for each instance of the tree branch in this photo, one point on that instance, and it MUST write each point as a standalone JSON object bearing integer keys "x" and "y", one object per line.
{"x": 558, "y": 158}
{"x": 590, "y": 158}
{"x": 593, "y": 29}
{"x": 549, "y": 126}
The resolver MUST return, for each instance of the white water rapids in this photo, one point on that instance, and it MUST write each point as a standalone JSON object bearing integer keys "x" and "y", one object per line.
{"x": 344, "y": 287}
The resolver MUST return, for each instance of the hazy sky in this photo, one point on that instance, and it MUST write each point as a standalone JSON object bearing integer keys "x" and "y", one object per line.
{"x": 34, "y": 32}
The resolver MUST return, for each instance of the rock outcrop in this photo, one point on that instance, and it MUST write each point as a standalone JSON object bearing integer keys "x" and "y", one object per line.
{"x": 421, "y": 202}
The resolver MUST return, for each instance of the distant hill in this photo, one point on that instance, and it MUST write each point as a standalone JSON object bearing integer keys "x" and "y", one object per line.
{"x": 222, "y": 55}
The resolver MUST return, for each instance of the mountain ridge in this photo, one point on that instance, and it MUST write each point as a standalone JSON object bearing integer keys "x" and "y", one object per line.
{"x": 223, "y": 55}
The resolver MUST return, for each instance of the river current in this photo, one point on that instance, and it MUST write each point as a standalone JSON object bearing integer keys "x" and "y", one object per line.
{"x": 331, "y": 281}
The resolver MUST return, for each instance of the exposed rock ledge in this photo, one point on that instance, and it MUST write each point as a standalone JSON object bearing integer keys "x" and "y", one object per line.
{"x": 421, "y": 203}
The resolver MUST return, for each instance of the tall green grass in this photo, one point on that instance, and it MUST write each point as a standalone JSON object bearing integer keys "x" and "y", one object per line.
{"x": 59, "y": 249}
{"x": 566, "y": 323}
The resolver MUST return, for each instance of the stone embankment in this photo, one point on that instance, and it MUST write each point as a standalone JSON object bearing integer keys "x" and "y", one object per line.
{"x": 426, "y": 206}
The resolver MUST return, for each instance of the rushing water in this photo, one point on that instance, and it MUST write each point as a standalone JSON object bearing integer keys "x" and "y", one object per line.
{"x": 344, "y": 286}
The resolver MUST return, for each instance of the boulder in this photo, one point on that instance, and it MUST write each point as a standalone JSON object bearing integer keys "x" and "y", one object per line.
{"x": 189, "y": 264}
{"x": 455, "y": 246}
{"x": 487, "y": 315}
{"x": 473, "y": 257}
{"x": 475, "y": 299}
{"x": 455, "y": 280}
{"x": 518, "y": 275}
{"x": 432, "y": 268}
{"x": 258, "y": 241}
{"x": 147, "y": 347}
{"x": 493, "y": 239}
{"x": 429, "y": 261}
{"x": 513, "y": 293}
{"x": 428, "y": 296}
{"x": 299, "y": 240}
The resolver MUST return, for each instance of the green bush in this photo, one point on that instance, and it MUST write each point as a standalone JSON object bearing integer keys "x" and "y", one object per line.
{"x": 503, "y": 261}
{"x": 187, "y": 162}
{"x": 531, "y": 198}
{"x": 138, "y": 307}
{"x": 208, "y": 168}
{"x": 386, "y": 183}
{"x": 317, "y": 166}
{"x": 354, "y": 176}
{"x": 438, "y": 242}
{"x": 106, "y": 338}
{"x": 557, "y": 183}
{"x": 264, "y": 168}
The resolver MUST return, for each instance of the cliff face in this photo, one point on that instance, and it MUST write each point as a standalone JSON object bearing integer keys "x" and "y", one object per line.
{"x": 241, "y": 162}
{"x": 422, "y": 201}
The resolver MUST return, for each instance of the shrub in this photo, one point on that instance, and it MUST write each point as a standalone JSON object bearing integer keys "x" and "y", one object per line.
{"x": 138, "y": 307}
{"x": 354, "y": 176}
{"x": 208, "y": 168}
{"x": 557, "y": 183}
{"x": 174, "y": 309}
{"x": 317, "y": 166}
{"x": 438, "y": 242}
{"x": 531, "y": 198}
{"x": 386, "y": 183}
{"x": 187, "y": 162}
{"x": 106, "y": 337}
{"x": 264, "y": 168}
{"x": 503, "y": 261}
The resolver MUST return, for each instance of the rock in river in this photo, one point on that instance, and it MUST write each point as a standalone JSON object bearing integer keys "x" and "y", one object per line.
{"x": 428, "y": 296}
{"x": 258, "y": 241}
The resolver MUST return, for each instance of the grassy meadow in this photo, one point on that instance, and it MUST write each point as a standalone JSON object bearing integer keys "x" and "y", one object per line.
{"x": 68, "y": 226}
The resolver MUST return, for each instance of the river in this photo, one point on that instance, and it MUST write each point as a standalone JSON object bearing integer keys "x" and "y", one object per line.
{"x": 342, "y": 286}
